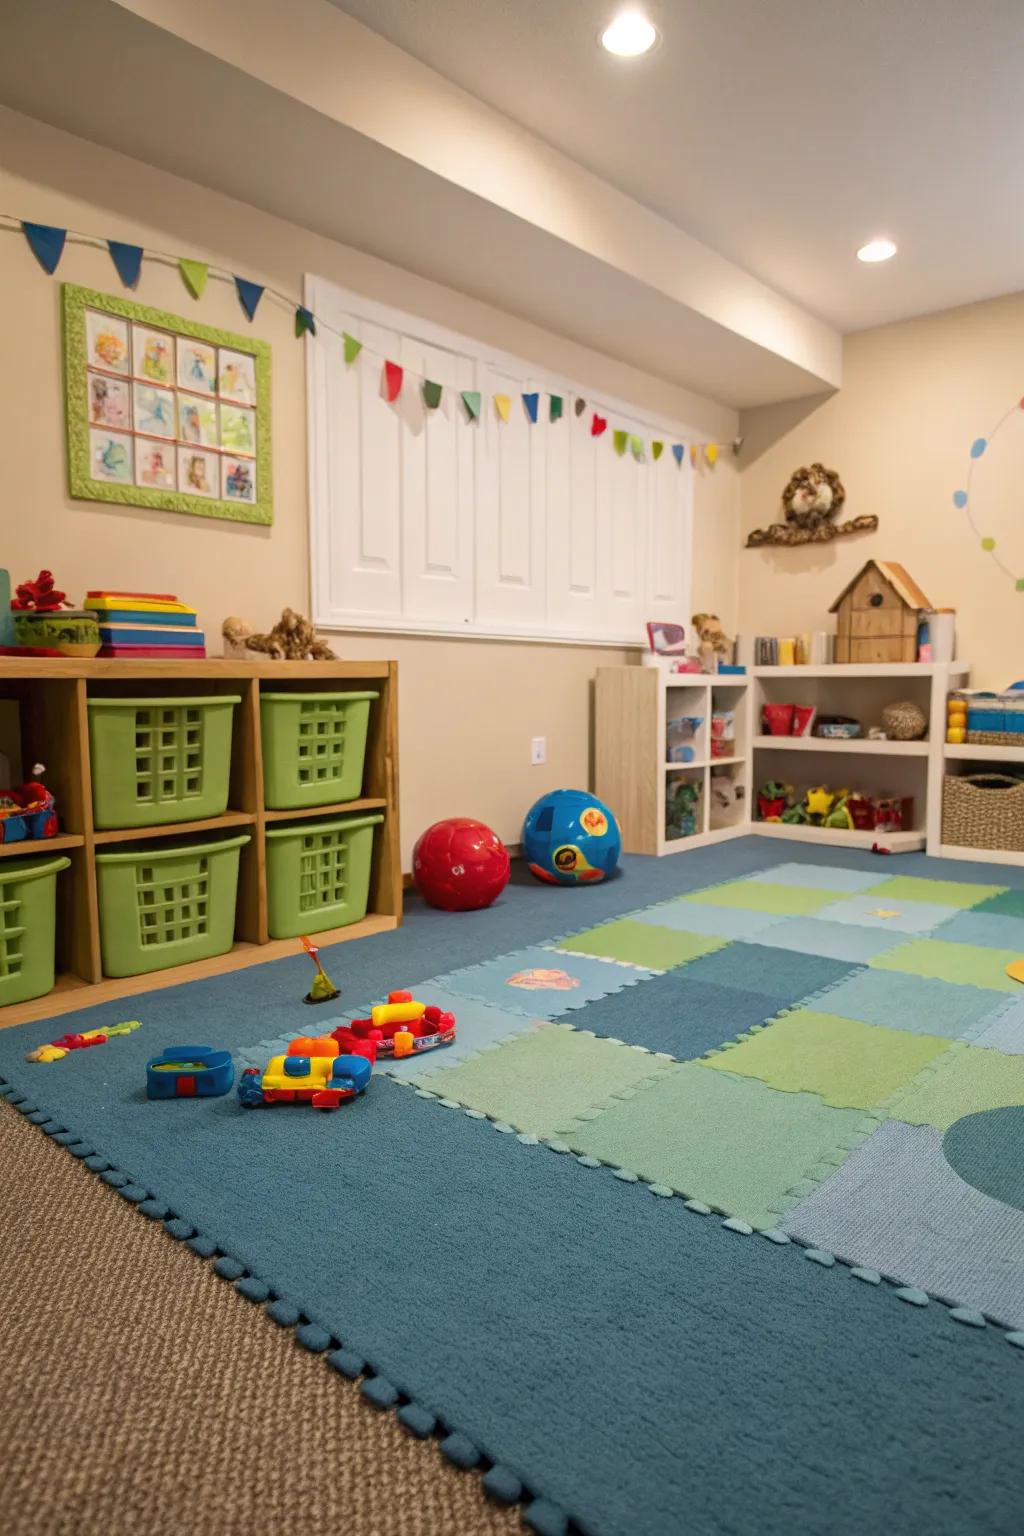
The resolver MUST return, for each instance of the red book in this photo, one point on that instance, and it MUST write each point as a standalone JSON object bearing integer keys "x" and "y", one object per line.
{"x": 157, "y": 652}
{"x": 148, "y": 597}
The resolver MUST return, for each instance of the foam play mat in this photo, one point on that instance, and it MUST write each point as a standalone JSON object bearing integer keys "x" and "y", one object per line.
{"x": 723, "y": 1178}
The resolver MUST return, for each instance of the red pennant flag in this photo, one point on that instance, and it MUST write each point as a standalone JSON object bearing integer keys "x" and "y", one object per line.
{"x": 392, "y": 381}
{"x": 598, "y": 425}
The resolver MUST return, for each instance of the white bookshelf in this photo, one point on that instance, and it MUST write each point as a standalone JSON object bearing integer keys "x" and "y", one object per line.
{"x": 954, "y": 754}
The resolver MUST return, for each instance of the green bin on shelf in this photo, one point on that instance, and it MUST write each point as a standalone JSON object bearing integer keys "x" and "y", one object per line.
{"x": 314, "y": 745}
{"x": 160, "y": 760}
{"x": 28, "y": 920}
{"x": 165, "y": 904}
{"x": 318, "y": 874}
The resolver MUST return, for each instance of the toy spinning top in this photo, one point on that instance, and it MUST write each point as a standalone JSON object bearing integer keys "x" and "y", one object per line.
{"x": 323, "y": 989}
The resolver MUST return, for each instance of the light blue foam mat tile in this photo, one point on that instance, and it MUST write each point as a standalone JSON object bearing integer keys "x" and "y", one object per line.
{"x": 992, "y": 930}
{"x": 921, "y": 917}
{"x": 818, "y": 877}
{"x": 478, "y": 1026}
{"x": 836, "y": 941}
{"x": 1005, "y": 1032}
{"x": 713, "y": 922}
{"x": 541, "y": 983}
{"x": 898, "y": 1207}
{"x": 916, "y": 1003}
{"x": 780, "y": 976}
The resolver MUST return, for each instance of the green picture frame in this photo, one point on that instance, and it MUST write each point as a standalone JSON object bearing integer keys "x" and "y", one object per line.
{"x": 197, "y": 442}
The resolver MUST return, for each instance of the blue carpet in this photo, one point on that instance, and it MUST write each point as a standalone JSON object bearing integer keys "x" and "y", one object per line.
{"x": 784, "y": 976}
{"x": 674, "y": 1014}
{"x": 634, "y": 1363}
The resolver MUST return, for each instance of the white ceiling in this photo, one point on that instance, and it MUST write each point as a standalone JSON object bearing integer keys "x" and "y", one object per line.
{"x": 782, "y": 133}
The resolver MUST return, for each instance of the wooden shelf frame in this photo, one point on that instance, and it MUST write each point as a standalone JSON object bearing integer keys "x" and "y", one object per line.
{"x": 52, "y": 703}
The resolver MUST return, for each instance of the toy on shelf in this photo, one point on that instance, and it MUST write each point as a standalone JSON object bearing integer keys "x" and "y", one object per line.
{"x": 680, "y": 736}
{"x": 878, "y": 615}
{"x": 26, "y": 811}
{"x": 400, "y": 1027}
{"x": 39, "y": 596}
{"x": 723, "y": 733}
{"x": 134, "y": 625}
{"x": 682, "y": 809}
{"x": 839, "y": 809}
{"x": 312, "y": 1071}
{"x": 904, "y": 721}
{"x": 715, "y": 646}
{"x": 189, "y": 1072}
{"x": 460, "y": 865}
{"x": 323, "y": 989}
{"x": 56, "y": 1049}
{"x": 987, "y": 719}
{"x": 773, "y": 799}
{"x": 45, "y": 622}
{"x": 956, "y": 719}
{"x": 570, "y": 837}
{"x": 292, "y": 638}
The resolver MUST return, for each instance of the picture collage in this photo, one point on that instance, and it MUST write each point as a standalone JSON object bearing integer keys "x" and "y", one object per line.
{"x": 168, "y": 411}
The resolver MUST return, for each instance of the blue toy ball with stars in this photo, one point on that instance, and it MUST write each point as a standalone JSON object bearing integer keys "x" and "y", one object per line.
{"x": 571, "y": 838}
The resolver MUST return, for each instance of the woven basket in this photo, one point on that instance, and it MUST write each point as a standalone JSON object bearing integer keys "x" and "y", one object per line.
{"x": 983, "y": 810}
{"x": 996, "y": 738}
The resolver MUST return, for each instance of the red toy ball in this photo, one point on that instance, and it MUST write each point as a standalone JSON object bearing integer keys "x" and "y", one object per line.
{"x": 460, "y": 865}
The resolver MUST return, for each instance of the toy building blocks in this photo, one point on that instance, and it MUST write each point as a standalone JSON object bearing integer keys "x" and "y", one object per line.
{"x": 189, "y": 1072}
{"x": 400, "y": 1027}
{"x": 313, "y": 1071}
{"x": 54, "y": 1050}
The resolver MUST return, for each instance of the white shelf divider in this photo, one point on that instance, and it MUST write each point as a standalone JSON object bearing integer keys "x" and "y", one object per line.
{"x": 860, "y": 744}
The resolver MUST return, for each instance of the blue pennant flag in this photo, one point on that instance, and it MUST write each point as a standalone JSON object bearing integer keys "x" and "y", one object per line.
{"x": 531, "y": 402}
{"x": 127, "y": 259}
{"x": 249, "y": 295}
{"x": 47, "y": 243}
{"x": 678, "y": 450}
{"x": 304, "y": 322}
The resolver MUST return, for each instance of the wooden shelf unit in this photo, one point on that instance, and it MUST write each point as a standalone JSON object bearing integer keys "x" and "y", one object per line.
{"x": 52, "y": 696}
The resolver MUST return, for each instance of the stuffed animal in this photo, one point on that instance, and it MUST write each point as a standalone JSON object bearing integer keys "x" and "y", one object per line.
{"x": 292, "y": 638}
{"x": 715, "y": 645}
{"x": 811, "y": 503}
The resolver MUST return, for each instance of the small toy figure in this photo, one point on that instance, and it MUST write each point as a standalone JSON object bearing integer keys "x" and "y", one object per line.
{"x": 189, "y": 1072}
{"x": 314, "y": 1071}
{"x": 27, "y": 811}
{"x": 323, "y": 989}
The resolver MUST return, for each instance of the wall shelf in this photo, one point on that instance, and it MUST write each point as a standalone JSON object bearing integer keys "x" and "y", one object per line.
{"x": 52, "y": 699}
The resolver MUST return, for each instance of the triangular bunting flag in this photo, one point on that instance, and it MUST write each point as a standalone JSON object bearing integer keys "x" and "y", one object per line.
{"x": 636, "y": 447}
{"x": 694, "y": 450}
{"x": 503, "y": 404}
{"x": 580, "y": 405}
{"x": 620, "y": 439}
{"x": 556, "y": 407}
{"x": 249, "y": 295}
{"x": 128, "y": 261}
{"x": 393, "y": 375}
{"x": 352, "y": 347}
{"x": 471, "y": 400}
{"x": 677, "y": 452}
{"x": 711, "y": 452}
{"x": 598, "y": 425}
{"x": 47, "y": 244}
{"x": 431, "y": 394}
{"x": 194, "y": 275}
{"x": 657, "y": 449}
{"x": 531, "y": 402}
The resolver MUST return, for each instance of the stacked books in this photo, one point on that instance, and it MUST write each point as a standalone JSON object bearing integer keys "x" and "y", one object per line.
{"x": 146, "y": 624}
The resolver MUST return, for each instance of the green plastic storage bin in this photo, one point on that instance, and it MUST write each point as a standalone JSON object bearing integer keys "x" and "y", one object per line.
{"x": 318, "y": 874}
{"x": 28, "y": 919}
{"x": 313, "y": 747}
{"x": 163, "y": 905}
{"x": 160, "y": 760}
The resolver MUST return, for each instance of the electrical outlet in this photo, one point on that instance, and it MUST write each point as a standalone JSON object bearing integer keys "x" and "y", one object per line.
{"x": 538, "y": 750}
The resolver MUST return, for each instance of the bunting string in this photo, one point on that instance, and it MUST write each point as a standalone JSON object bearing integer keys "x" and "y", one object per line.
{"x": 48, "y": 242}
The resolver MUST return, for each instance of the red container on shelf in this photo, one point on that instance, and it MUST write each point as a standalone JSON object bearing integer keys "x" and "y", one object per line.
{"x": 777, "y": 719}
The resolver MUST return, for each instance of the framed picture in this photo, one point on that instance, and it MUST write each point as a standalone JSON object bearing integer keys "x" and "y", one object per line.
{"x": 164, "y": 412}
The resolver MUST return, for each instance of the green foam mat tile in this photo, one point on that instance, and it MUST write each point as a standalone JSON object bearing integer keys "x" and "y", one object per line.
{"x": 1009, "y": 903}
{"x": 538, "y": 1081}
{"x": 849, "y": 1065}
{"x": 964, "y": 964}
{"x": 764, "y": 896}
{"x": 947, "y": 893}
{"x": 658, "y": 949}
{"x": 731, "y": 1142}
{"x": 967, "y": 1080}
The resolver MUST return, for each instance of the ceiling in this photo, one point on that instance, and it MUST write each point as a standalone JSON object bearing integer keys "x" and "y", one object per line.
{"x": 782, "y": 134}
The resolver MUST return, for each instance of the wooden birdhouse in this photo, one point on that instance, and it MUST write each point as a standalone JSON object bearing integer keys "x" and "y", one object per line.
{"x": 878, "y": 614}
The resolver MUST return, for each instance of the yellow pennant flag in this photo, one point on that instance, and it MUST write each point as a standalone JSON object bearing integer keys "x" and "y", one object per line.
{"x": 503, "y": 404}
{"x": 711, "y": 452}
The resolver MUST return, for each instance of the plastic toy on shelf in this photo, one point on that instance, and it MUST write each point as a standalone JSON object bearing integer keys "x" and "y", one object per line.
{"x": 189, "y": 1072}
{"x": 313, "y": 1071}
{"x": 27, "y": 812}
{"x": 400, "y": 1027}
{"x": 323, "y": 989}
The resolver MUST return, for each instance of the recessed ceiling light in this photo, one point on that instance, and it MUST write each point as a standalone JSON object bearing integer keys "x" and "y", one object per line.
{"x": 877, "y": 250}
{"x": 629, "y": 35}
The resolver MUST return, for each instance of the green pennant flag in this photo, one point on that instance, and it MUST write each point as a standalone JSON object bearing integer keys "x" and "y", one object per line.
{"x": 431, "y": 394}
{"x": 471, "y": 400}
{"x": 556, "y": 407}
{"x": 657, "y": 449}
{"x": 194, "y": 274}
{"x": 304, "y": 321}
{"x": 352, "y": 347}
{"x": 620, "y": 439}
{"x": 636, "y": 447}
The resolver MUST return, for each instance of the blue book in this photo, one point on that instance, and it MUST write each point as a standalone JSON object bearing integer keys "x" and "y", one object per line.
{"x": 158, "y": 620}
{"x": 150, "y": 634}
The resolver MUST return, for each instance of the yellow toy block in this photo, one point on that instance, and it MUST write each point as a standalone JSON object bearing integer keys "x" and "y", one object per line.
{"x": 396, "y": 1013}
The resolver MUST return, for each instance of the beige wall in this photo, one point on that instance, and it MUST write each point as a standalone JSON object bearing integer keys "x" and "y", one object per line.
{"x": 468, "y": 708}
{"x": 915, "y": 396}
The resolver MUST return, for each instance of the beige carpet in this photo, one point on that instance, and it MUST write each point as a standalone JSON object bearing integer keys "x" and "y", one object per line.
{"x": 142, "y": 1396}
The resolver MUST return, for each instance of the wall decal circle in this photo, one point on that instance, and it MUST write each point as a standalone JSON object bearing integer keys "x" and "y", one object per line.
{"x": 966, "y": 496}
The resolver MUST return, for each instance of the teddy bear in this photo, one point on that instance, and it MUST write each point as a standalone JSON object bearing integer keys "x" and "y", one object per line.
{"x": 292, "y": 638}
